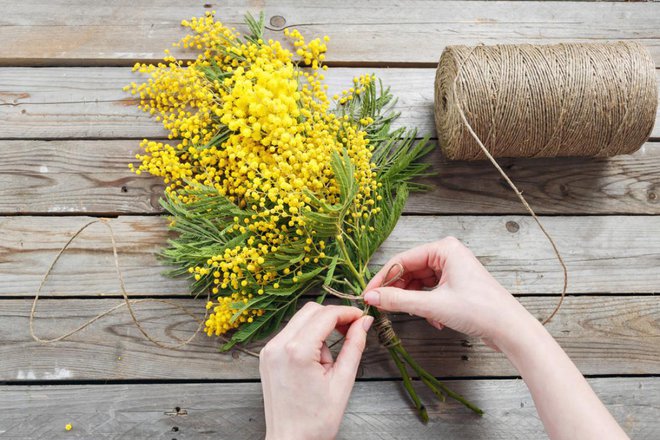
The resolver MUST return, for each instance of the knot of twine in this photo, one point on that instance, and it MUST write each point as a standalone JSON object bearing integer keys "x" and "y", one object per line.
{"x": 382, "y": 324}
{"x": 386, "y": 335}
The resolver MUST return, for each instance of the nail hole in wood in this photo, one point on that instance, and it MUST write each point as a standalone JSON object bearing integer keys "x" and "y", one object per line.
{"x": 512, "y": 227}
{"x": 124, "y": 189}
{"x": 277, "y": 21}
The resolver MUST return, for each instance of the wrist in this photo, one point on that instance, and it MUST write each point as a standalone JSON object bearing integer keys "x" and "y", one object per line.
{"x": 521, "y": 337}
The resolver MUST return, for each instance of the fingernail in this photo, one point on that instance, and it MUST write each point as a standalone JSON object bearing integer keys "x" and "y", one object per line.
{"x": 366, "y": 322}
{"x": 372, "y": 298}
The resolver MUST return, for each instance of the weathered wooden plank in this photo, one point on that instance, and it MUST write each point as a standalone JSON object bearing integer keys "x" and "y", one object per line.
{"x": 361, "y": 32}
{"x": 50, "y": 103}
{"x": 235, "y": 410}
{"x": 89, "y": 102}
{"x": 609, "y": 254}
{"x": 602, "y": 334}
{"x": 54, "y": 177}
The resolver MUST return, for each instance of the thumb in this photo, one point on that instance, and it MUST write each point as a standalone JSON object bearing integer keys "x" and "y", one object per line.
{"x": 393, "y": 299}
{"x": 349, "y": 357}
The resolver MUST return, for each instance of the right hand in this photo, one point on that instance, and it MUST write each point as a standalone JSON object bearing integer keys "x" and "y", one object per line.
{"x": 465, "y": 297}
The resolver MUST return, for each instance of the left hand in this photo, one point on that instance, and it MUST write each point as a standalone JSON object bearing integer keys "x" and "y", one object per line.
{"x": 305, "y": 390}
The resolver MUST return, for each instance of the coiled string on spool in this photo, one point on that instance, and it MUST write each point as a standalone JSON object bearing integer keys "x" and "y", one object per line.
{"x": 544, "y": 101}
{"x": 575, "y": 99}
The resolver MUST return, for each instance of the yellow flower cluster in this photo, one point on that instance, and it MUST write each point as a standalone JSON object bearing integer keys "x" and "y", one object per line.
{"x": 245, "y": 118}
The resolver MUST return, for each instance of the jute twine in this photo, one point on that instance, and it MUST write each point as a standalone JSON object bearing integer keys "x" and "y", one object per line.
{"x": 578, "y": 99}
{"x": 382, "y": 325}
{"x": 544, "y": 101}
{"x": 128, "y": 303}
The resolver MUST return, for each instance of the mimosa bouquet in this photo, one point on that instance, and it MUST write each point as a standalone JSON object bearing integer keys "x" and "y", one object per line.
{"x": 275, "y": 190}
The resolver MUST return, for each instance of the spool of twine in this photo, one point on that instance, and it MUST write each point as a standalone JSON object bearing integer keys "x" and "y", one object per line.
{"x": 578, "y": 99}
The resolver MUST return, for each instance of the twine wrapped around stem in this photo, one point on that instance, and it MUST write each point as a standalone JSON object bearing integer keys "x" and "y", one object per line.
{"x": 382, "y": 324}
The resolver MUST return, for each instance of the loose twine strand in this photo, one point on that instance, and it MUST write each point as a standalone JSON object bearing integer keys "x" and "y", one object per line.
{"x": 128, "y": 303}
{"x": 515, "y": 189}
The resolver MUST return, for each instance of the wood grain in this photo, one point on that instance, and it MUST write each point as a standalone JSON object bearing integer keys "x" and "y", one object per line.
{"x": 377, "y": 410}
{"x": 602, "y": 334}
{"x": 604, "y": 254}
{"x": 52, "y": 103}
{"x": 78, "y": 177}
{"x": 391, "y": 33}
{"x": 89, "y": 102}
{"x": 67, "y": 134}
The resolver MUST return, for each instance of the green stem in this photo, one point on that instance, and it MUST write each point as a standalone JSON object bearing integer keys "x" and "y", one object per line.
{"x": 433, "y": 388}
{"x": 349, "y": 263}
{"x": 401, "y": 357}
{"x": 407, "y": 383}
{"x": 425, "y": 374}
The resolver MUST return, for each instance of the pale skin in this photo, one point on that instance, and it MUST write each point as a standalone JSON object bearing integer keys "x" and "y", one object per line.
{"x": 306, "y": 391}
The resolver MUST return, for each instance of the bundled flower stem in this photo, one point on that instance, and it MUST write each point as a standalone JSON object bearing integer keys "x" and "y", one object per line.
{"x": 273, "y": 188}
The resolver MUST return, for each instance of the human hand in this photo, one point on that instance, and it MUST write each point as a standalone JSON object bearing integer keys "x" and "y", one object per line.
{"x": 305, "y": 391}
{"x": 465, "y": 297}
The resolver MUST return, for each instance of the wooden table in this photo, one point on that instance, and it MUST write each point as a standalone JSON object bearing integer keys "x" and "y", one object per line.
{"x": 68, "y": 132}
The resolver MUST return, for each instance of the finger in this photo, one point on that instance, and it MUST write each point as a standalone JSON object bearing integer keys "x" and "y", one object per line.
{"x": 343, "y": 329}
{"x": 324, "y": 321}
{"x": 430, "y": 281}
{"x": 491, "y": 344}
{"x": 326, "y": 356}
{"x": 416, "y": 302}
{"x": 436, "y": 324}
{"x": 412, "y": 260}
{"x": 401, "y": 284}
{"x": 348, "y": 359}
{"x": 298, "y": 321}
{"x": 423, "y": 273}
{"x": 420, "y": 284}
{"x": 427, "y": 256}
{"x": 409, "y": 277}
